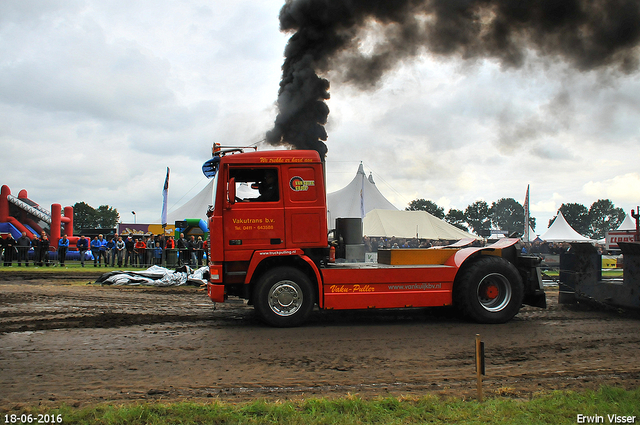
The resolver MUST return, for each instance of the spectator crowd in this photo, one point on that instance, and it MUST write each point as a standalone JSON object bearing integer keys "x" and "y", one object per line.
{"x": 117, "y": 250}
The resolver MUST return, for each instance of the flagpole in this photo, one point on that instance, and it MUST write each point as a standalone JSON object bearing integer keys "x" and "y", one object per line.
{"x": 165, "y": 195}
{"x": 526, "y": 216}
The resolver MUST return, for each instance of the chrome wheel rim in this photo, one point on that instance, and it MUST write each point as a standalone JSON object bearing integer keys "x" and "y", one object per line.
{"x": 494, "y": 292}
{"x": 285, "y": 298}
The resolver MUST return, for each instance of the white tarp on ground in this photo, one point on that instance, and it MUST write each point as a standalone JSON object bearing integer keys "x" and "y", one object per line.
{"x": 155, "y": 276}
{"x": 409, "y": 224}
{"x": 356, "y": 199}
{"x": 561, "y": 231}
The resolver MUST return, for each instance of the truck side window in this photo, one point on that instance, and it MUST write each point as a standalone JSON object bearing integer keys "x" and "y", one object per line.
{"x": 256, "y": 184}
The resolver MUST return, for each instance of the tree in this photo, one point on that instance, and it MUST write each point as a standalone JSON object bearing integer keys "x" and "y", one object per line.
{"x": 87, "y": 217}
{"x": 106, "y": 217}
{"x": 604, "y": 216}
{"x": 577, "y": 215}
{"x": 456, "y": 217}
{"x": 426, "y": 205}
{"x": 477, "y": 216}
{"x": 84, "y": 216}
{"x": 507, "y": 214}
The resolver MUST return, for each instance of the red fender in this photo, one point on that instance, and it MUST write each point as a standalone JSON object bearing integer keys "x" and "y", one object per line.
{"x": 260, "y": 256}
{"x": 461, "y": 256}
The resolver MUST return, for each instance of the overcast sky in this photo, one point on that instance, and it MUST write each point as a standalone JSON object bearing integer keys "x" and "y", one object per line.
{"x": 97, "y": 98}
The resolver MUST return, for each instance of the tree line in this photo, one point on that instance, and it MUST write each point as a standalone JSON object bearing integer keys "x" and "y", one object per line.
{"x": 87, "y": 217}
{"x": 507, "y": 214}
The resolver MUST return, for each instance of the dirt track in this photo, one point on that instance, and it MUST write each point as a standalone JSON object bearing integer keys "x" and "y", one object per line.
{"x": 80, "y": 344}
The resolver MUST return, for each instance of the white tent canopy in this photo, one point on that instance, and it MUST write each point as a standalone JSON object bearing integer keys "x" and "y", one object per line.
{"x": 561, "y": 231}
{"x": 196, "y": 207}
{"x": 411, "y": 224}
{"x": 627, "y": 224}
{"x": 356, "y": 199}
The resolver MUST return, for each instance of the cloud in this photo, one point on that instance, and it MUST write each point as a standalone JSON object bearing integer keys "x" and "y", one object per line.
{"x": 622, "y": 188}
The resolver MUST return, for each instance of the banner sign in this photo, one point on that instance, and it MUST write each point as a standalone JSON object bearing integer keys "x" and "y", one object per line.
{"x": 614, "y": 237}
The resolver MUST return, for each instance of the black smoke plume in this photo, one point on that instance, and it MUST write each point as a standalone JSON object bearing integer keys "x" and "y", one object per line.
{"x": 327, "y": 37}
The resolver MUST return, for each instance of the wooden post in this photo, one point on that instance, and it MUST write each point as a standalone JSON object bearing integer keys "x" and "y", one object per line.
{"x": 479, "y": 365}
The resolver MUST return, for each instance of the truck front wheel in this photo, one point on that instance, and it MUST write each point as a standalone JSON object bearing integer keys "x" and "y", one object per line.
{"x": 283, "y": 297}
{"x": 489, "y": 290}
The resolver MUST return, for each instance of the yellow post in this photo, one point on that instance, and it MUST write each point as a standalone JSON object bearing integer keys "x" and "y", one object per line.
{"x": 479, "y": 366}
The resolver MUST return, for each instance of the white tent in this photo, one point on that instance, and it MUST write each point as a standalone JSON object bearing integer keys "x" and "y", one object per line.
{"x": 627, "y": 224}
{"x": 561, "y": 231}
{"x": 196, "y": 207}
{"x": 356, "y": 199}
{"x": 411, "y": 224}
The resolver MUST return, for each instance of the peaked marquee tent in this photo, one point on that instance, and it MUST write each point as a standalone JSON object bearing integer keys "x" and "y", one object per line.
{"x": 356, "y": 199}
{"x": 627, "y": 224}
{"x": 411, "y": 224}
{"x": 561, "y": 231}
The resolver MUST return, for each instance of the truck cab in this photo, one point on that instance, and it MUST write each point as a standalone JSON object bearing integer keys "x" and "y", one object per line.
{"x": 267, "y": 205}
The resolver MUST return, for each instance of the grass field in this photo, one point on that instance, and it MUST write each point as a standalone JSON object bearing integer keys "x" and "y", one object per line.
{"x": 551, "y": 408}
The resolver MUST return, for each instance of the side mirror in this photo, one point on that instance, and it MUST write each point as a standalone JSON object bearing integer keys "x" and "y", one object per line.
{"x": 232, "y": 191}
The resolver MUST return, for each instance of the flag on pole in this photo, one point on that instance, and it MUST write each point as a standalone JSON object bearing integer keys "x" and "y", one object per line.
{"x": 362, "y": 196}
{"x": 165, "y": 194}
{"x": 526, "y": 216}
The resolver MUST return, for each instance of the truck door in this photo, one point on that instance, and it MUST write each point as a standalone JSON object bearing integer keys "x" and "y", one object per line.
{"x": 255, "y": 221}
{"x": 305, "y": 207}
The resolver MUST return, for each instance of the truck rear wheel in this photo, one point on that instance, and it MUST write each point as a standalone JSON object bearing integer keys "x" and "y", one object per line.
{"x": 489, "y": 290}
{"x": 283, "y": 297}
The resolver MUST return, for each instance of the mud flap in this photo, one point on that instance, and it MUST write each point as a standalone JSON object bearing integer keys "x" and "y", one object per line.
{"x": 529, "y": 269}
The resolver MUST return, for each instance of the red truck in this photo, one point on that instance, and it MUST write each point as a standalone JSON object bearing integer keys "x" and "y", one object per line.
{"x": 269, "y": 244}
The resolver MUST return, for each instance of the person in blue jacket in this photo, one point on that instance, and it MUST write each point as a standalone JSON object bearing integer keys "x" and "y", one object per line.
{"x": 95, "y": 250}
{"x": 63, "y": 247}
{"x": 111, "y": 252}
{"x": 102, "y": 251}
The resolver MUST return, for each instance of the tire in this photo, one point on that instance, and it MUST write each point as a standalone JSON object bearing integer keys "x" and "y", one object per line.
{"x": 489, "y": 290}
{"x": 283, "y": 297}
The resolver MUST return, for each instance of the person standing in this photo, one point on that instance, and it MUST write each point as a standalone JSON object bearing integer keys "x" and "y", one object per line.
{"x": 103, "y": 251}
{"x": 95, "y": 250}
{"x": 182, "y": 250}
{"x": 150, "y": 245}
{"x": 24, "y": 243}
{"x": 199, "y": 250}
{"x": 120, "y": 249}
{"x": 129, "y": 244}
{"x": 111, "y": 252}
{"x": 35, "y": 243}
{"x": 9, "y": 245}
{"x": 83, "y": 246}
{"x": 63, "y": 247}
{"x": 192, "y": 248}
{"x": 44, "y": 249}
{"x": 169, "y": 247}
{"x": 140, "y": 248}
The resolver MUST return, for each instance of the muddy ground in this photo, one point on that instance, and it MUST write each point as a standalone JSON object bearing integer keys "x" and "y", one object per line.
{"x": 79, "y": 343}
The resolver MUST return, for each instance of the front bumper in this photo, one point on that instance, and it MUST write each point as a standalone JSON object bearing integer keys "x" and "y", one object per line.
{"x": 215, "y": 292}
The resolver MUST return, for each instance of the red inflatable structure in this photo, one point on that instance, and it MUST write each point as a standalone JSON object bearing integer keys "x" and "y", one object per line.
{"x": 20, "y": 214}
